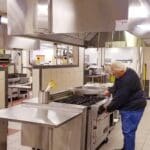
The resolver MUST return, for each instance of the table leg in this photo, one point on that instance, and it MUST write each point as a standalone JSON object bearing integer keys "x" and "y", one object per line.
{"x": 11, "y": 97}
{"x": 92, "y": 80}
{"x": 3, "y": 134}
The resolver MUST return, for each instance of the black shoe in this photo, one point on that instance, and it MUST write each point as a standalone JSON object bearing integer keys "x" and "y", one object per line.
{"x": 119, "y": 149}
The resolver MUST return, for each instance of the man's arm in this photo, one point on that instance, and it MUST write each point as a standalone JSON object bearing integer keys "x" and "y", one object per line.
{"x": 120, "y": 99}
{"x": 109, "y": 91}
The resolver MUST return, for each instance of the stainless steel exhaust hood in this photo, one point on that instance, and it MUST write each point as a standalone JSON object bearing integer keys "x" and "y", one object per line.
{"x": 87, "y": 15}
{"x": 139, "y": 18}
{"x": 52, "y": 19}
{"x": 65, "y": 16}
{"x": 14, "y": 42}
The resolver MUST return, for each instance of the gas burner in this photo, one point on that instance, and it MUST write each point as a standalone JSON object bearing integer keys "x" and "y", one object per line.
{"x": 86, "y": 100}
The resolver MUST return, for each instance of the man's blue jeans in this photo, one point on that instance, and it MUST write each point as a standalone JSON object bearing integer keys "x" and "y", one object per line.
{"x": 130, "y": 121}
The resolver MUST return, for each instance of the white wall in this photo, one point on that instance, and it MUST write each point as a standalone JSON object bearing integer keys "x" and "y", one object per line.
{"x": 124, "y": 54}
{"x": 118, "y": 53}
{"x": 92, "y": 53}
{"x": 114, "y": 54}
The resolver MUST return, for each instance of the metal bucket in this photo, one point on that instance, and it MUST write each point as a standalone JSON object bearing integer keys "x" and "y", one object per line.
{"x": 43, "y": 97}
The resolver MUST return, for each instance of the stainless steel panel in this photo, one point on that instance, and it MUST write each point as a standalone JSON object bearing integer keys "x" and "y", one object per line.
{"x": 21, "y": 43}
{"x": 10, "y": 42}
{"x": 61, "y": 38}
{"x": 30, "y": 18}
{"x": 42, "y": 16}
{"x": 96, "y": 127}
{"x": 39, "y": 114}
{"x": 68, "y": 136}
{"x": 86, "y": 15}
{"x": 139, "y": 15}
{"x": 35, "y": 136}
{"x": 102, "y": 130}
{"x": 73, "y": 107}
{"x": 21, "y": 16}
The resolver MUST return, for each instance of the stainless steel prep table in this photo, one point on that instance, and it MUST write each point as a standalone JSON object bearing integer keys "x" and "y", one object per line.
{"x": 18, "y": 87}
{"x": 60, "y": 128}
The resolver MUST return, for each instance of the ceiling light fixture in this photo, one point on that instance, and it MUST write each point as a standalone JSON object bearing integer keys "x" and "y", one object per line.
{"x": 138, "y": 11}
{"x": 144, "y": 27}
{"x": 3, "y": 20}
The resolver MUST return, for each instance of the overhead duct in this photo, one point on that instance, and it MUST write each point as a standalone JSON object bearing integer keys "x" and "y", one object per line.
{"x": 105, "y": 37}
{"x": 44, "y": 18}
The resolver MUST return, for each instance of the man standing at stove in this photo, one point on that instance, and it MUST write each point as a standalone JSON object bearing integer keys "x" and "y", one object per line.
{"x": 128, "y": 98}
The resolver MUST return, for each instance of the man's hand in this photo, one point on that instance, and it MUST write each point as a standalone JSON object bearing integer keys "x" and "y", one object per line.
{"x": 106, "y": 93}
{"x": 105, "y": 107}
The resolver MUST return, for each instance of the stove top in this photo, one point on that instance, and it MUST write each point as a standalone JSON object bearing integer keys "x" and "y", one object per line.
{"x": 82, "y": 100}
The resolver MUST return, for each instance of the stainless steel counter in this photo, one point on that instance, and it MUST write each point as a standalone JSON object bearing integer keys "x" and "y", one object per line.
{"x": 39, "y": 114}
{"x": 50, "y": 122}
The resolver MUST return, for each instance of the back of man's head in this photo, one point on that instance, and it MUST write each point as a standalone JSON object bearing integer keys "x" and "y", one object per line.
{"x": 118, "y": 66}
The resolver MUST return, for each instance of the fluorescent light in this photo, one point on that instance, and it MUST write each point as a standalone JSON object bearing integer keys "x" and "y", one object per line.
{"x": 114, "y": 50}
{"x": 138, "y": 11}
{"x": 42, "y": 10}
{"x": 144, "y": 27}
{"x": 4, "y": 20}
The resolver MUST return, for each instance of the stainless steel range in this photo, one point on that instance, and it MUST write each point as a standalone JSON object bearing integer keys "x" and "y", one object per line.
{"x": 96, "y": 122}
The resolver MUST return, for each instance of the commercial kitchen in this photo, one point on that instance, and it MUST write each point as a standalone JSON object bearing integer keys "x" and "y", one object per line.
{"x": 54, "y": 68}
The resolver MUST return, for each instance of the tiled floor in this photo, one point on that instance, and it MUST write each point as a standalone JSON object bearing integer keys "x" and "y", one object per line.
{"x": 115, "y": 138}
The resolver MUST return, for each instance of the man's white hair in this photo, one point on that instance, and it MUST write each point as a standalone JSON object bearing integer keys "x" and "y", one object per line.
{"x": 118, "y": 66}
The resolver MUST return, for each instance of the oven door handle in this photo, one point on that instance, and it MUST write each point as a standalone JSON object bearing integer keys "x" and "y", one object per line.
{"x": 101, "y": 110}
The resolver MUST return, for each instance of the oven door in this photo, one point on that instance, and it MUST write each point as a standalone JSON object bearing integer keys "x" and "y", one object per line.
{"x": 100, "y": 126}
{"x": 102, "y": 129}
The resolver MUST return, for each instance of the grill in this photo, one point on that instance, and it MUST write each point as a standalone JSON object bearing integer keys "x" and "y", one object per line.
{"x": 82, "y": 100}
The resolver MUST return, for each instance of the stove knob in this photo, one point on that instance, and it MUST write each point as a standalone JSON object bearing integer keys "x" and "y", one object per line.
{"x": 94, "y": 127}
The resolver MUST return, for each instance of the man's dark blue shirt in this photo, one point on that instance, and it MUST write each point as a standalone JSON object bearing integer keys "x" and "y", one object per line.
{"x": 127, "y": 93}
